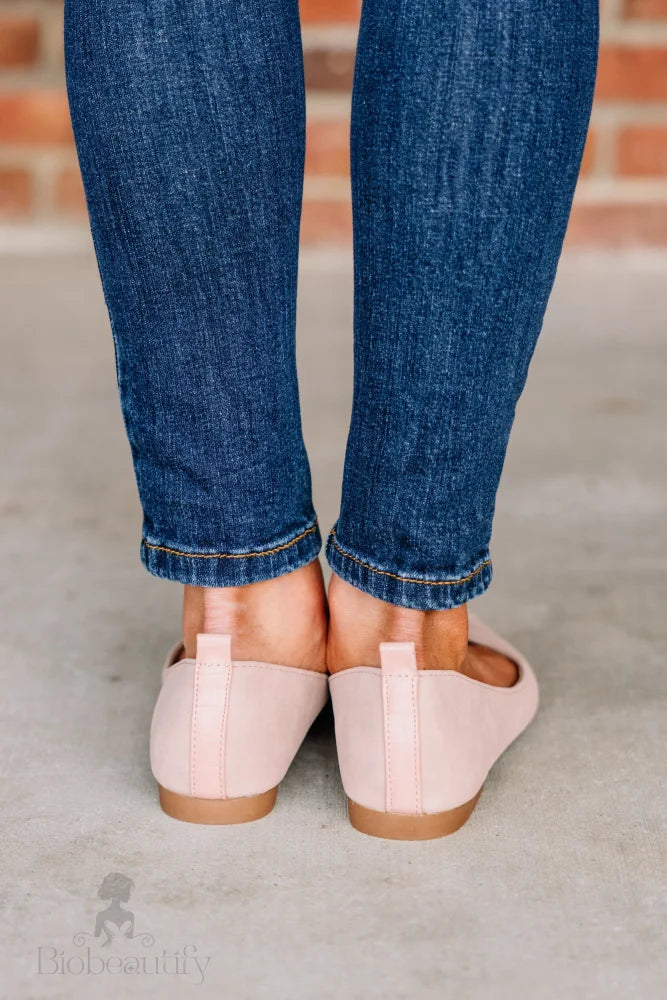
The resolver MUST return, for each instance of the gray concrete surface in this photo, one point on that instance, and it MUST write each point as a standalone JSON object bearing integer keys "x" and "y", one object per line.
{"x": 554, "y": 889}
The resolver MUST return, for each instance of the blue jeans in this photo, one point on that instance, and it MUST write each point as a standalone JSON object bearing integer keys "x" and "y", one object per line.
{"x": 468, "y": 124}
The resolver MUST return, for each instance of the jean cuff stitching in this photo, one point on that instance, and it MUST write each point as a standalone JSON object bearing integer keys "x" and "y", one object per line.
{"x": 407, "y": 579}
{"x": 231, "y": 555}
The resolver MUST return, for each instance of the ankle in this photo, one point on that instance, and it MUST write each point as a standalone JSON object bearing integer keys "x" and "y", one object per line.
{"x": 283, "y": 620}
{"x": 360, "y": 622}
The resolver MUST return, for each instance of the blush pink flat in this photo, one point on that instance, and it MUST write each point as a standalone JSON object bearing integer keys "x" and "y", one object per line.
{"x": 224, "y": 732}
{"x": 415, "y": 746}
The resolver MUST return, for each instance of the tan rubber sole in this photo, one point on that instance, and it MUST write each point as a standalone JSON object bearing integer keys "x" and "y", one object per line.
{"x": 221, "y": 812}
{"x": 392, "y": 826}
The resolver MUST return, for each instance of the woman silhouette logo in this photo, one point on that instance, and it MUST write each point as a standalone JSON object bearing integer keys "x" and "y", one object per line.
{"x": 115, "y": 923}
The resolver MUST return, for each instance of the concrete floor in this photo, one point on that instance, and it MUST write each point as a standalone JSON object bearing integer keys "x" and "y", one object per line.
{"x": 556, "y": 886}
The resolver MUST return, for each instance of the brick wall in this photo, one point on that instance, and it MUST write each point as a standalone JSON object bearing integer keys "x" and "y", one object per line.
{"x": 622, "y": 194}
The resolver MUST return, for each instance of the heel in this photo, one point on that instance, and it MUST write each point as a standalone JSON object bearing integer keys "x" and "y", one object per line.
{"x": 220, "y": 812}
{"x": 415, "y": 746}
{"x": 224, "y": 729}
{"x": 395, "y": 826}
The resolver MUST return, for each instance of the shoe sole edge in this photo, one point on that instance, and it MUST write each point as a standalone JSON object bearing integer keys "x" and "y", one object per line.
{"x": 395, "y": 826}
{"x": 217, "y": 812}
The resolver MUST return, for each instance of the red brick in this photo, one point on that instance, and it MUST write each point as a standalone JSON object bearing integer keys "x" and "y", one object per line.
{"x": 19, "y": 40}
{"x": 325, "y": 222}
{"x": 645, "y": 9}
{"x": 642, "y": 151}
{"x": 614, "y": 226}
{"x": 15, "y": 191}
{"x": 329, "y": 11}
{"x": 328, "y": 147}
{"x": 68, "y": 196}
{"x": 589, "y": 154}
{"x": 35, "y": 117}
{"x": 632, "y": 73}
{"x": 329, "y": 69}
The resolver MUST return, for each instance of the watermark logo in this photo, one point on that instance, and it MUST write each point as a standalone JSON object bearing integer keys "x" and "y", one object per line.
{"x": 115, "y": 948}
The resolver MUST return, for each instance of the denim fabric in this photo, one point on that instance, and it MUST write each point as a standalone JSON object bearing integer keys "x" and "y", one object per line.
{"x": 468, "y": 126}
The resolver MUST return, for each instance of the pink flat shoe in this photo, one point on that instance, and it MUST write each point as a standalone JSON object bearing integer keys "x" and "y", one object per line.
{"x": 224, "y": 732}
{"x": 415, "y": 746}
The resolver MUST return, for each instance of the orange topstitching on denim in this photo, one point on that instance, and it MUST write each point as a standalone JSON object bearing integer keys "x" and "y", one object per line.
{"x": 407, "y": 579}
{"x": 230, "y": 555}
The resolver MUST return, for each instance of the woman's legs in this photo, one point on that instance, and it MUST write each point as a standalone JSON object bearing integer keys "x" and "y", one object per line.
{"x": 189, "y": 121}
{"x": 468, "y": 127}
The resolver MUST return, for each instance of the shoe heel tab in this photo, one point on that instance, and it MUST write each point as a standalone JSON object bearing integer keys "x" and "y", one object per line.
{"x": 214, "y": 648}
{"x": 398, "y": 658}
{"x": 401, "y": 728}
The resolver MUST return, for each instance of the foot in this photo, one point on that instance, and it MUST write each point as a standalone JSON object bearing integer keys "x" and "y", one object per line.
{"x": 359, "y": 623}
{"x": 283, "y": 620}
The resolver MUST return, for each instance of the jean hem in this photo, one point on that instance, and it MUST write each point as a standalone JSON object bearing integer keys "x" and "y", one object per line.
{"x": 405, "y": 589}
{"x": 232, "y": 569}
